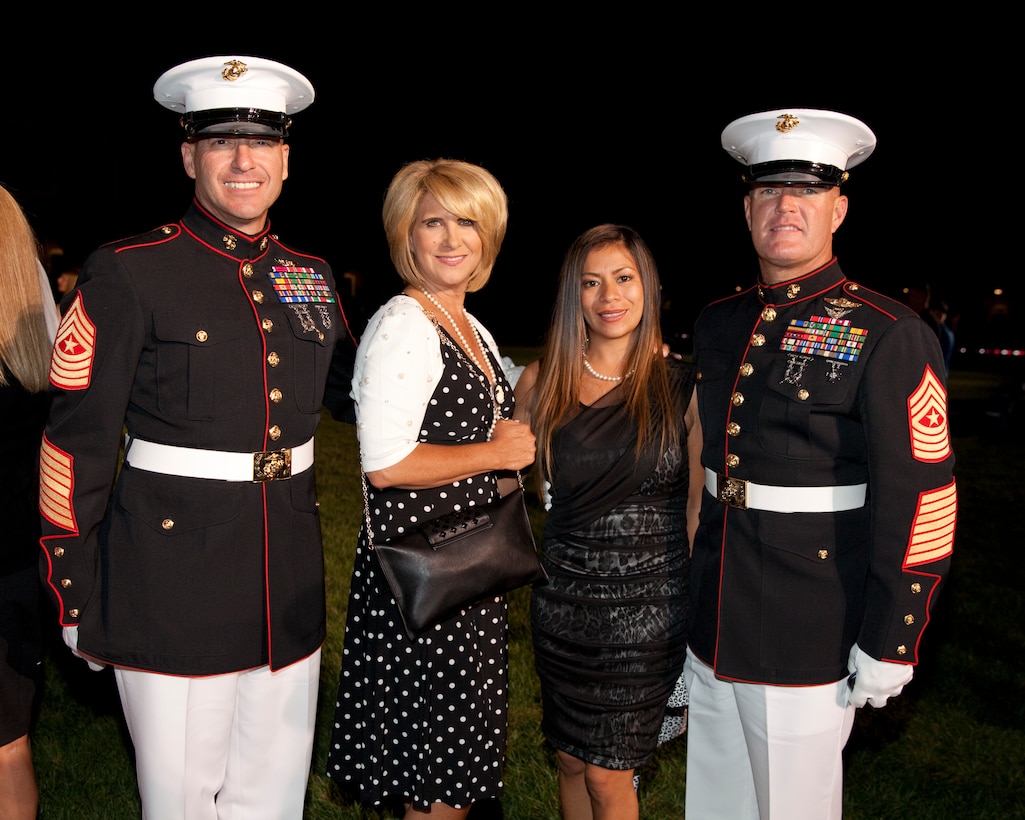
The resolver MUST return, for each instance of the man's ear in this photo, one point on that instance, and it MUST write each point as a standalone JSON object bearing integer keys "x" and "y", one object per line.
{"x": 839, "y": 211}
{"x": 189, "y": 158}
{"x": 284, "y": 160}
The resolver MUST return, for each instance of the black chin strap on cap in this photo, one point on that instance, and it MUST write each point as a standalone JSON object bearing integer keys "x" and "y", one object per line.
{"x": 235, "y": 121}
{"x": 777, "y": 171}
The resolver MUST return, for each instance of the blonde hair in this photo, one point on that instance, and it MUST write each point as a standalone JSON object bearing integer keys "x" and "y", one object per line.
{"x": 648, "y": 394}
{"x": 466, "y": 190}
{"x": 25, "y": 344}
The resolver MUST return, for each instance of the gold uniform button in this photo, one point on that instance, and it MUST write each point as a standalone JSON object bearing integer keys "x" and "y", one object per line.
{"x": 737, "y": 399}
{"x": 273, "y": 359}
{"x": 267, "y": 325}
{"x": 275, "y": 395}
{"x": 902, "y": 650}
{"x": 803, "y": 394}
{"x": 757, "y": 340}
{"x": 73, "y": 613}
{"x": 733, "y": 429}
{"x": 58, "y": 552}
{"x": 167, "y": 230}
{"x": 320, "y": 336}
{"x": 66, "y": 583}
{"x": 274, "y": 433}
{"x": 909, "y": 619}
{"x": 732, "y": 460}
{"x": 699, "y": 376}
{"x": 258, "y": 297}
{"x": 202, "y": 335}
{"x": 916, "y": 588}
{"x": 769, "y": 314}
{"x": 823, "y": 554}
{"x": 746, "y": 369}
{"x": 167, "y": 524}
{"x": 247, "y": 270}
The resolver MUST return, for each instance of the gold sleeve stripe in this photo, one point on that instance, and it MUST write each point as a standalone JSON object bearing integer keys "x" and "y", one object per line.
{"x": 932, "y": 532}
{"x": 71, "y": 365}
{"x": 927, "y": 419}
{"x": 56, "y": 483}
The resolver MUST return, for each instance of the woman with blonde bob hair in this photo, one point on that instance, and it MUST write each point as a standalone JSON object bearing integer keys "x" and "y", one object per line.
{"x": 459, "y": 187}
{"x": 619, "y": 448}
{"x": 420, "y": 723}
{"x": 26, "y": 339}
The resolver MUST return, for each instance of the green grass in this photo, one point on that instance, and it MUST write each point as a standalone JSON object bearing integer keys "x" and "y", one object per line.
{"x": 953, "y": 745}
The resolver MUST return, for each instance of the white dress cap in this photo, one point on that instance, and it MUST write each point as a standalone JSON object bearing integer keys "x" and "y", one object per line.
{"x": 235, "y": 95}
{"x": 798, "y": 144}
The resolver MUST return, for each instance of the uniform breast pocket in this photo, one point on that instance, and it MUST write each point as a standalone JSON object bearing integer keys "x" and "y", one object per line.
{"x": 314, "y": 328}
{"x": 807, "y": 407}
{"x": 198, "y": 364}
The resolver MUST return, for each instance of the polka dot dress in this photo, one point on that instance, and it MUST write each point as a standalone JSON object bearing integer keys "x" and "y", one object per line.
{"x": 424, "y": 719}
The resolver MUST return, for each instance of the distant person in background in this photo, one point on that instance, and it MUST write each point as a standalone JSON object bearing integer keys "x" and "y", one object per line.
{"x": 619, "y": 445}
{"x": 26, "y": 340}
{"x": 66, "y": 282}
{"x": 827, "y": 527}
{"x": 940, "y": 314}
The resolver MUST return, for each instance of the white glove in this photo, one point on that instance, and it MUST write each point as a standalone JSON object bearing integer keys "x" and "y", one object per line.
{"x": 875, "y": 681}
{"x": 71, "y": 640}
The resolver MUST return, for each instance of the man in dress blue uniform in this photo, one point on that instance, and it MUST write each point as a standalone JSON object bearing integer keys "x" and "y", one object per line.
{"x": 200, "y": 576}
{"x": 827, "y": 524}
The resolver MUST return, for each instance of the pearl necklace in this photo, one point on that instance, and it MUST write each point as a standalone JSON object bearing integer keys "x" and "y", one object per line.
{"x": 602, "y": 376}
{"x": 498, "y": 394}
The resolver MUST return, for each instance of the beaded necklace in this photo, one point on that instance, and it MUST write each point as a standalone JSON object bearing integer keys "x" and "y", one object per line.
{"x": 495, "y": 389}
{"x": 602, "y": 376}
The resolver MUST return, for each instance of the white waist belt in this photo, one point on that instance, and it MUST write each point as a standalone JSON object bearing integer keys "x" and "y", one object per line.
{"x": 189, "y": 462}
{"x": 747, "y": 495}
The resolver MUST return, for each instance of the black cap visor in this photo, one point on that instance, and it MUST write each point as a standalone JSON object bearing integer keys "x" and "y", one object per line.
{"x": 791, "y": 171}
{"x": 238, "y": 122}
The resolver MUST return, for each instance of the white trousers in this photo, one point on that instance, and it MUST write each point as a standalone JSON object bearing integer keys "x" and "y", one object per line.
{"x": 758, "y": 752}
{"x": 223, "y": 747}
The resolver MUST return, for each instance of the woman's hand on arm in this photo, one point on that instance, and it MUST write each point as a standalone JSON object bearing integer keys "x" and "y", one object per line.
{"x": 697, "y": 471}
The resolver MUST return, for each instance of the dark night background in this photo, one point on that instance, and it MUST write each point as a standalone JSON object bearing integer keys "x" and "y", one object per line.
{"x": 579, "y": 128}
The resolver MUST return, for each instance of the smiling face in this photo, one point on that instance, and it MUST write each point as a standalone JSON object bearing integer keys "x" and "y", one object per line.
{"x": 611, "y": 292}
{"x": 792, "y": 227}
{"x": 447, "y": 248}
{"x": 237, "y": 178}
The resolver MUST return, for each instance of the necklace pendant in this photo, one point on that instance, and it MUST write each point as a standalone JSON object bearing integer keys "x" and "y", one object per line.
{"x": 499, "y": 395}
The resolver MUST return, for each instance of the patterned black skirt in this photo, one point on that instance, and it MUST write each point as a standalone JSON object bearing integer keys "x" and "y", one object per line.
{"x": 610, "y": 633}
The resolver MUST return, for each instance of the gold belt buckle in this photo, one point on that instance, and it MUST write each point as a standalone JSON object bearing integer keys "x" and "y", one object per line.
{"x": 271, "y": 465}
{"x": 731, "y": 491}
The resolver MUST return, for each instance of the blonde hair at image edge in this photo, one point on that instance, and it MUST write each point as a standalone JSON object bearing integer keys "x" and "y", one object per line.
{"x": 24, "y": 343}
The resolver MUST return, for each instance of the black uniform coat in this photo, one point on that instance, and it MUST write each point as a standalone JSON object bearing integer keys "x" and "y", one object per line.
{"x": 182, "y": 336}
{"x": 819, "y": 382}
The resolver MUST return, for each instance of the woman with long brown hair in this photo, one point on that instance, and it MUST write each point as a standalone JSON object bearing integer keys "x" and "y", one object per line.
{"x": 618, "y": 451}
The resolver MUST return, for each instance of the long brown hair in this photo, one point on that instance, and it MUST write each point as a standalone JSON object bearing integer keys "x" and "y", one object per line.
{"x": 25, "y": 344}
{"x": 649, "y": 398}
